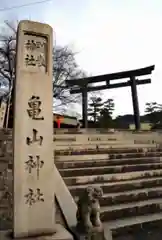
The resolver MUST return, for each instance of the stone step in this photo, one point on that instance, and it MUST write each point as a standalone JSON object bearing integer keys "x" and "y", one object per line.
{"x": 6, "y": 181}
{"x": 109, "y": 169}
{"x": 6, "y": 158}
{"x": 106, "y": 162}
{"x": 136, "y": 155}
{"x": 93, "y": 143}
{"x": 5, "y": 208}
{"x": 110, "y": 199}
{"x": 116, "y": 177}
{"x": 111, "y": 150}
{"x": 125, "y": 225}
{"x": 100, "y": 146}
{"x": 131, "y": 209}
{"x": 86, "y": 157}
{"x": 6, "y": 221}
{"x": 122, "y": 186}
{"x": 5, "y": 198}
{"x": 107, "y": 156}
{"x": 3, "y": 166}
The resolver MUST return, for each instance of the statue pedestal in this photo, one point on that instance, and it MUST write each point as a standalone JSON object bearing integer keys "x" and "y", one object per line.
{"x": 61, "y": 234}
{"x": 93, "y": 234}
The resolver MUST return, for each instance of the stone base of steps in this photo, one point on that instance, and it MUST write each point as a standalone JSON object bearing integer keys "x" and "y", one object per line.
{"x": 134, "y": 226}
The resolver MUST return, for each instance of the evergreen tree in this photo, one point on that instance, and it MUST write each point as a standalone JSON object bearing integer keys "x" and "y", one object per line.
{"x": 106, "y": 114}
{"x": 154, "y": 111}
{"x": 95, "y": 107}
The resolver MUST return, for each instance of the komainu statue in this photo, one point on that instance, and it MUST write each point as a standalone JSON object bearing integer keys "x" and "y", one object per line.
{"x": 88, "y": 212}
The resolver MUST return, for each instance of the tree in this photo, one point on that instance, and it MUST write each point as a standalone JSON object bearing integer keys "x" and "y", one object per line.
{"x": 106, "y": 113}
{"x": 7, "y": 65}
{"x": 95, "y": 107}
{"x": 7, "y": 56}
{"x": 109, "y": 106}
{"x": 152, "y": 107}
{"x": 64, "y": 67}
{"x": 154, "y": 113}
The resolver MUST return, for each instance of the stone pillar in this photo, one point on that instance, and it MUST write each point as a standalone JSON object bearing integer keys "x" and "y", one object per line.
{"x": 34, "y": 209}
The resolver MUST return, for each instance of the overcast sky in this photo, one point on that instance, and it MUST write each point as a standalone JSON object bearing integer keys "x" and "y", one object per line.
{"x": 111, "y": 36}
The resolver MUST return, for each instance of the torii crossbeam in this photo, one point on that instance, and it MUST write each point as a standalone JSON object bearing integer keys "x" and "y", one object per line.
{"x": 81, "y": 85}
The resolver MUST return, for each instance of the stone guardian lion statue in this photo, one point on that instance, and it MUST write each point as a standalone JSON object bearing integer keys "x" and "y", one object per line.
{"x": 88, "y": 212}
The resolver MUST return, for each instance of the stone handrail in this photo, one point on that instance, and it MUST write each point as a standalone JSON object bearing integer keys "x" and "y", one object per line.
{"x": 65, "y": 200}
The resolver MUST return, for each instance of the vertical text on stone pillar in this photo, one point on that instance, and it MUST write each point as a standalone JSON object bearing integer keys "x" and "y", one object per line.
{"x": 35, "y": 53}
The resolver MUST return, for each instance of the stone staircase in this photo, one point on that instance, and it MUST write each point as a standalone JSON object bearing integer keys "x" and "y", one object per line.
{"x": 127, "y": 166}
{"x": 131, "y": 179}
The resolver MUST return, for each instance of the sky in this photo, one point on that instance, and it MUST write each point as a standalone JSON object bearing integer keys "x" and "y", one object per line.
{"x": 110, "y": 36}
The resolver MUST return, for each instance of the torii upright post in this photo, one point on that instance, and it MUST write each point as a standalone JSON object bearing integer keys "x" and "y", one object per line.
{"x": 85, "y": 107}
{"x": 135, "y": 103}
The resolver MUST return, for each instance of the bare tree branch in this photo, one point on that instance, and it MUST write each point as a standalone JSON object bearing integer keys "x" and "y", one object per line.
{"x": 64, "y": 66}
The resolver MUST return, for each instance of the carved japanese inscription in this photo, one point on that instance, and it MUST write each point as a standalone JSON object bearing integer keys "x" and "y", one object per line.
{"x": 35, "y": 50}
{"x": 34, "y": 110}
{"x": 34, "y": 197}
{"x": 32, "y": 45}
{"x": 32, "y": 60}
{"x": 34, "y": 164}
{"x": 34, "y": 138}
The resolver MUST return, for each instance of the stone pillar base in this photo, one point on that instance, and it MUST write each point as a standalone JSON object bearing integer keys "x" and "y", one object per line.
{"x": 94, "y": 234}
{"x": 61, "y": 234}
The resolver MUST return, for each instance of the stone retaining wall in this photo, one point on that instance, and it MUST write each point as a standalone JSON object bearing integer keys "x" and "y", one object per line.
{"x": 6, "y": 179}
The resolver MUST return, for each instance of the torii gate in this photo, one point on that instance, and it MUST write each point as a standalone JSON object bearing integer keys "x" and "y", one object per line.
{"x": 81, "y": 86}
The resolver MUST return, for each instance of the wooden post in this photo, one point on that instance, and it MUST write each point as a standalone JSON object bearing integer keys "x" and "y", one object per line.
{"x": 85, "y": 107}
{"x": 135, "y": 103}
